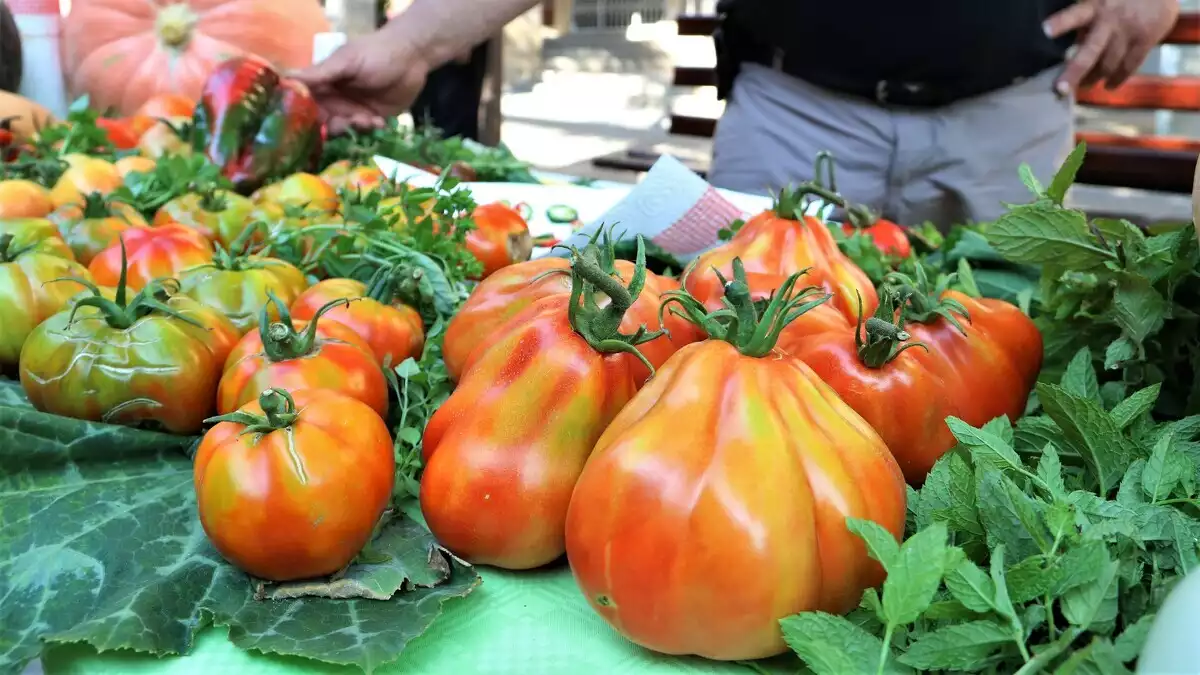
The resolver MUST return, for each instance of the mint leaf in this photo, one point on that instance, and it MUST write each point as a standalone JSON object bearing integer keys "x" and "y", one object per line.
{"x": 1140, "y": 403}
{"x": 986, "y": 449}
{"x": 1138, "y": 309}
{"x": 1049, "y": 471}
{"x": 1129, "y": 643}
{"x": 971, "y": 586}
{"x": 915, "y": 575}
{"x": 1065, "y": 177}
{"x": 1092, "y": 433}
{"x": 1002, "y": 603}
{"x": 1094, "y": 602}
{"x": 1080, "y": 378}
{"x": 1163, "y": 471}
{"x": 831, "y": 645}
{"x": 1035, "y": 186}
{"x": 880, "y": 543}
{"x": 1119, "y": 352}
{"x": 1040, "y": 234}
{"x": 956, "y": 647}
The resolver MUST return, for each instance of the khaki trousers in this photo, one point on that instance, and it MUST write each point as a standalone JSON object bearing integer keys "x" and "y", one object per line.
{"x": 953, "y": 164}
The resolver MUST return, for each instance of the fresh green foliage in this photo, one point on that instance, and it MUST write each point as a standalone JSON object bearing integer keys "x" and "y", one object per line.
{"x": 427, "y": 148}
{"x": 1029, "y": 548}
{"x": 99, "y": 543}
{"x": 421, "y": 387}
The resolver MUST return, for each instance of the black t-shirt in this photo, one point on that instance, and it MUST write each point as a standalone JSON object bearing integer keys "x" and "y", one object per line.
{"x": 919, "y": 40}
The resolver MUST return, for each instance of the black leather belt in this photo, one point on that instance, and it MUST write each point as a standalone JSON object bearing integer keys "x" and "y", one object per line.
{"x": 897, "y": 93}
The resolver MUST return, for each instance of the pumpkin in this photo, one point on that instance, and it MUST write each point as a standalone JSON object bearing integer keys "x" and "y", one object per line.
{"x": 121, "y": 53}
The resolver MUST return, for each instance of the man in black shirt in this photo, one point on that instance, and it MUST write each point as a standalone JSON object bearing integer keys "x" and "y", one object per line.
{"x": 930, "y": 105}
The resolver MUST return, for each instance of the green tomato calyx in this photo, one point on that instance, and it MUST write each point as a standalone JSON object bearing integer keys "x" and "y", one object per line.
{"x": 882, "y": 338}
{"x": 924, "y": 301}
{"x": 279, "y": 412}
{"x": 281, "y": 341}
{"x": 753, "y": 327}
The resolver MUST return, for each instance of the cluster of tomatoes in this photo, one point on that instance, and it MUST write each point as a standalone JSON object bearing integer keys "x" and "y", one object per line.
{"x": 182, "y": 317}
{"x": 699, "y": 505}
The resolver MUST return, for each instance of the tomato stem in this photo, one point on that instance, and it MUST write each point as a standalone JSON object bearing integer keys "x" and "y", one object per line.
{"x": 752, "y": 327}
{"x": 95, "y": 205}
{"x": 601, "y": 327}
{"x": 924, "y": 302}
{"x": 9, "y": 251}
{"x": 882, "y": 338}
{"x": 280, "y": 340}
{"x": 279, "y": 412}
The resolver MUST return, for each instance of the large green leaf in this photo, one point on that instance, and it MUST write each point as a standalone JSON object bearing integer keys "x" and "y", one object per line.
{"x": 99, "y": 543}
{"x": 11, "y": 394}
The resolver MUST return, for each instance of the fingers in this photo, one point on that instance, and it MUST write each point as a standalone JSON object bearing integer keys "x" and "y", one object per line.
{"x": 1081, "y": 66}
{"x": 339, "y": 66}
{"x": 1073, "y": 18}
{"x": 1134, "y": 57}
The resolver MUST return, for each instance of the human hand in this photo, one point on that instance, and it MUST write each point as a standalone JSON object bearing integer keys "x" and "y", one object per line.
{"x": 367, "y": 80}
{"x": 1115, "y": 36}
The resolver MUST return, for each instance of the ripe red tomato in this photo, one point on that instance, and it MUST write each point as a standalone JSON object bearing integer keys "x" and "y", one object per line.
{"x": 119, "y": 132}
{"x": 503, "y": 295}
{"x": 500, "y": 238}
{"x": 161, "y": 106}
{"x": 715, "y": 503}
{"x": 779, "y": 242}
{"x": 886, "y": 235}
{"x": 153, "y": 253}
{"x": 299, "y": 497}
{"x": 503, "y": 452}
{"x": 393, "y": 330}
{"x": 294, "y": 354}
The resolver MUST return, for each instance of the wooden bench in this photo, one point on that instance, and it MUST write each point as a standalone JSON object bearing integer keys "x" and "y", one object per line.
{"x": 1148, "y": 162}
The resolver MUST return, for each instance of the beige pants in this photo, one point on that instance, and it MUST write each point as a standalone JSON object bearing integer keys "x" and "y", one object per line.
{"x": 947, "y": 165}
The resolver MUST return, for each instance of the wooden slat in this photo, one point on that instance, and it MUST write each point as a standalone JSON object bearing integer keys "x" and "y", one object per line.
{"x": 688, "y": 76}
{"x": 701, "y": 24}
{"x": 1147, "y": 92}
{"x": 687, "y": 125}
{"x": 1139, "y": 168}
{"x": 1186, "y": 31}
{"x": 1159, "y": 143}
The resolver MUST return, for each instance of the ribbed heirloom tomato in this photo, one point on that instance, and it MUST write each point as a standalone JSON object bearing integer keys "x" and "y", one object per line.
{"x": 503, "y": 295}
{"x": 239, "y": 285}
{"x": 988, "y": 351}
{"x": 779, "y": 242}
{"x": 153, "y": 358}
{"x": 95, "y": 225}
{"x": 879, "y": 373}
{"x": 291, "y": 486}
{"x": 500, "y": 238}
{"x": 393, "y": 330}
{"x": 153, "y": 253}
{"x": 503, "y": 453}
{"x": 344, "y": 175}
{"x": 24, "y": 199}
{"x": 715, "y": 504}
{"x": 84, "y": 175}
{"x": 293, "y": 354}
{"x": 32, "y": 258}
{"x": 220, "y": 215}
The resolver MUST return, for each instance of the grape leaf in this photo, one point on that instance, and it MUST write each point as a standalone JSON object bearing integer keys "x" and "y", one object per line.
{"x": 99, "y": 543}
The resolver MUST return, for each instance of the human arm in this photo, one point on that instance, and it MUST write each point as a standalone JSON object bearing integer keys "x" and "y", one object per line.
{"x": 379, "y": 75}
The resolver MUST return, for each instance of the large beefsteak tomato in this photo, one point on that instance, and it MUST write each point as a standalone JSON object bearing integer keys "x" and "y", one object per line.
{"x": 503, "y": 453}
{"x": 84, "y": 176}
{"x": 392, "y": 329}
{"x": 292, "y": 486}
{"x": 715, "y": 504}
{"x": 153, "y": 253}
{"x": 781, "y": 241}
{"x": 24, "y": 199}
{"x": 154, "y": 358}
{"x": 988, "y": 351}
{"x": 503, "y": 295}
{"x": 293, "y": 354}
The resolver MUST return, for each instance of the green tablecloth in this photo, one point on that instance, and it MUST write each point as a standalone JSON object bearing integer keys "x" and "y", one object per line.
{"x": 527, "y": 623}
